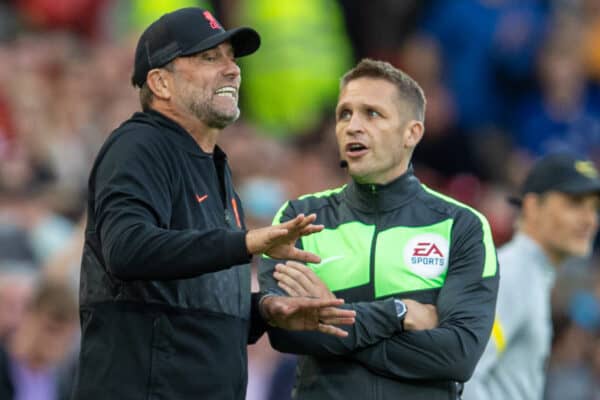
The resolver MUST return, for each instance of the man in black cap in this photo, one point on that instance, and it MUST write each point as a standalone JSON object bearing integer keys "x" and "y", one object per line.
{"x": 165, "y": 303}
{"x": 558, "y": 219}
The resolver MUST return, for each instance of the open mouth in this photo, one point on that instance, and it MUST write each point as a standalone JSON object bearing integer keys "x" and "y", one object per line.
{"x": 356, "y": 149}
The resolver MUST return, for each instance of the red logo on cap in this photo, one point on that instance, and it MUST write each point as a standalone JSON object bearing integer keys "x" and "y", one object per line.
{"x": 211, "y": 20}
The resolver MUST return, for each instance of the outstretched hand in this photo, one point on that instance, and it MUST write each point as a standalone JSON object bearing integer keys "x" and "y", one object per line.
{"x": 307, "y": 314}
{"x": 296, "y": 279}
{"x": 279, "y": 241}
{"x": 299, "y": 280}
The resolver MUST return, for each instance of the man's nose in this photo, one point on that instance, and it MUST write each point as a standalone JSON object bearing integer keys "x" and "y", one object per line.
{"x": 232, "y": 70}
{"x": 355, "y": 125}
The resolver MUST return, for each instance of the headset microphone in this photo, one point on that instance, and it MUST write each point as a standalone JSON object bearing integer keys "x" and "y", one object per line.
{"x": 343, "y": 164}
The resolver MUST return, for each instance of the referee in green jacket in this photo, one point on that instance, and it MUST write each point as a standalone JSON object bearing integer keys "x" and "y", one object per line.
{"x": 418, "y": 267}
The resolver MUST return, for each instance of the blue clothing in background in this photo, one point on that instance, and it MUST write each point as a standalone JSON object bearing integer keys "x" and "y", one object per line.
{"x": 480, "y": 43}
{"x": 537, "y": 132}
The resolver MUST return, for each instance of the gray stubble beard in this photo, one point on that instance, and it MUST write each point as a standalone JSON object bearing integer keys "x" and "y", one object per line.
{"x": 212, "y": 117}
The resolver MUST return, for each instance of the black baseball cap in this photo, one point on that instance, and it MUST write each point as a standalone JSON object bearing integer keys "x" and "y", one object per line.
{"x": 185, "y": 32}
{"x": 560, "y": 172}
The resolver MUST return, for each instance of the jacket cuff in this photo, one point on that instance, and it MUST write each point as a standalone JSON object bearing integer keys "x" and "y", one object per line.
{"x": 235, "y": 248}
{"x": 258, "y": 325}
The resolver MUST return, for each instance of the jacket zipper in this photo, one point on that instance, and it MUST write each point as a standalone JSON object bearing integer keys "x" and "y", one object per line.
{"x": 374, "y": 242}
{"x": 373, "y": 188}
{"x": 222, "y": 191}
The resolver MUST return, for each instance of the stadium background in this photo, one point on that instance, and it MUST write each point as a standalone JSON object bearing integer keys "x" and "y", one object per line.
{"x": 506, "y": 81}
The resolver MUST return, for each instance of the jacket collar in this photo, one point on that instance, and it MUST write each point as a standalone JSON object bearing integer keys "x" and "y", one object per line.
{"x": 180, "y": 136}
{"x": 374, "y": 198}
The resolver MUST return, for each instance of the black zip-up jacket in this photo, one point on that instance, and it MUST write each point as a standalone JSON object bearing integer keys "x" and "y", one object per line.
{"x": 380, "y": 242}
{"x": 165, "y": 311}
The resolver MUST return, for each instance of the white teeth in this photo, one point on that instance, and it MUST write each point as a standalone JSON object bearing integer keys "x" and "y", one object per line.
{"x": 229, "y": 91}
{"x": 356, "y": 146}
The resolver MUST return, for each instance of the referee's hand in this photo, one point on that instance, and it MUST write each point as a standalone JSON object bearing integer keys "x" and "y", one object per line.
{"x": 299, "y": 280}
{"x": 419, "y": 316}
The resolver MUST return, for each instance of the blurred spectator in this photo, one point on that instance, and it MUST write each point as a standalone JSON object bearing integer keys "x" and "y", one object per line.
{"x": 378, "y": 28}
{"x": 590, "y": 18}
{"x": 595, "y": 368}
{"x": 282, "y": 381}
{"x": 574, "y": 371}
{"x": 501, "y": 216}
{"x": 289, "y": 83}
{"x": 262, "y": 363}
{"x": 27, "y": 212}
{"x": 481, "y": 39}
{"x": 8, "y": 20}
{"x": 6, "y": 127}
{"x": 143, "y": 12}
{"x": 564, "y": 115}
{"x": 17, "y": 281}
{"x": 262, "y": 198}
{"x": 568, "y": 376}
{"x": 585, "y": 310}
{"x": 78, "y": 16}
{"x": 64, "y": 264}
{"x": 443, "y": 147}
{"x": 30, "y": 361}
{"x": 14, "y": 243}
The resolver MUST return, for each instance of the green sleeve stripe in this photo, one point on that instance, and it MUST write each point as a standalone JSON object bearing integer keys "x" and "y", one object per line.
{"x": 491, "y": 265}
{"x": 324, "y": 193}
{"x": 277, "y": 217}
{"x": 277, "y": 220}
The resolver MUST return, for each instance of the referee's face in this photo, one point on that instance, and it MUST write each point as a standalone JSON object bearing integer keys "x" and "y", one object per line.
{"x": 374, "y": 136}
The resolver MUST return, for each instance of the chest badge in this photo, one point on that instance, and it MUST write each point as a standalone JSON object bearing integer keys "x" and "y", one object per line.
{"x": 427, "y": 255}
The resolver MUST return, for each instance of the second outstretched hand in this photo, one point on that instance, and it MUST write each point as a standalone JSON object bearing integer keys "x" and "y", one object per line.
{"x": 299, "y": 280}
{"x": 307, "y": 314}
{"x": 279, "y": 241}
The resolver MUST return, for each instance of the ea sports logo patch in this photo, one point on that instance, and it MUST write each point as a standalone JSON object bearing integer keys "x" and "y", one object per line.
{"x": 427, "y": 255}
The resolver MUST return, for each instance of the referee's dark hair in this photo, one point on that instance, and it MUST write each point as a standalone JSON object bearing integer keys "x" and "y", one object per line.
{"x": 408, "y": 89}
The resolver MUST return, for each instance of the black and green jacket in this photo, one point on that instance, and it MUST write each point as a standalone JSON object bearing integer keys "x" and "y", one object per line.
{"x": 400, "y": 240}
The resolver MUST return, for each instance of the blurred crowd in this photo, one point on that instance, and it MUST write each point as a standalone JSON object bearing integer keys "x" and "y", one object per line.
{"x": 506, "y": 82}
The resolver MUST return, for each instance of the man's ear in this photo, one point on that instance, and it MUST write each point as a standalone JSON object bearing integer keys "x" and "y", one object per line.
{"x": 413, "y": 133}
{"x": 159, "y": 84}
